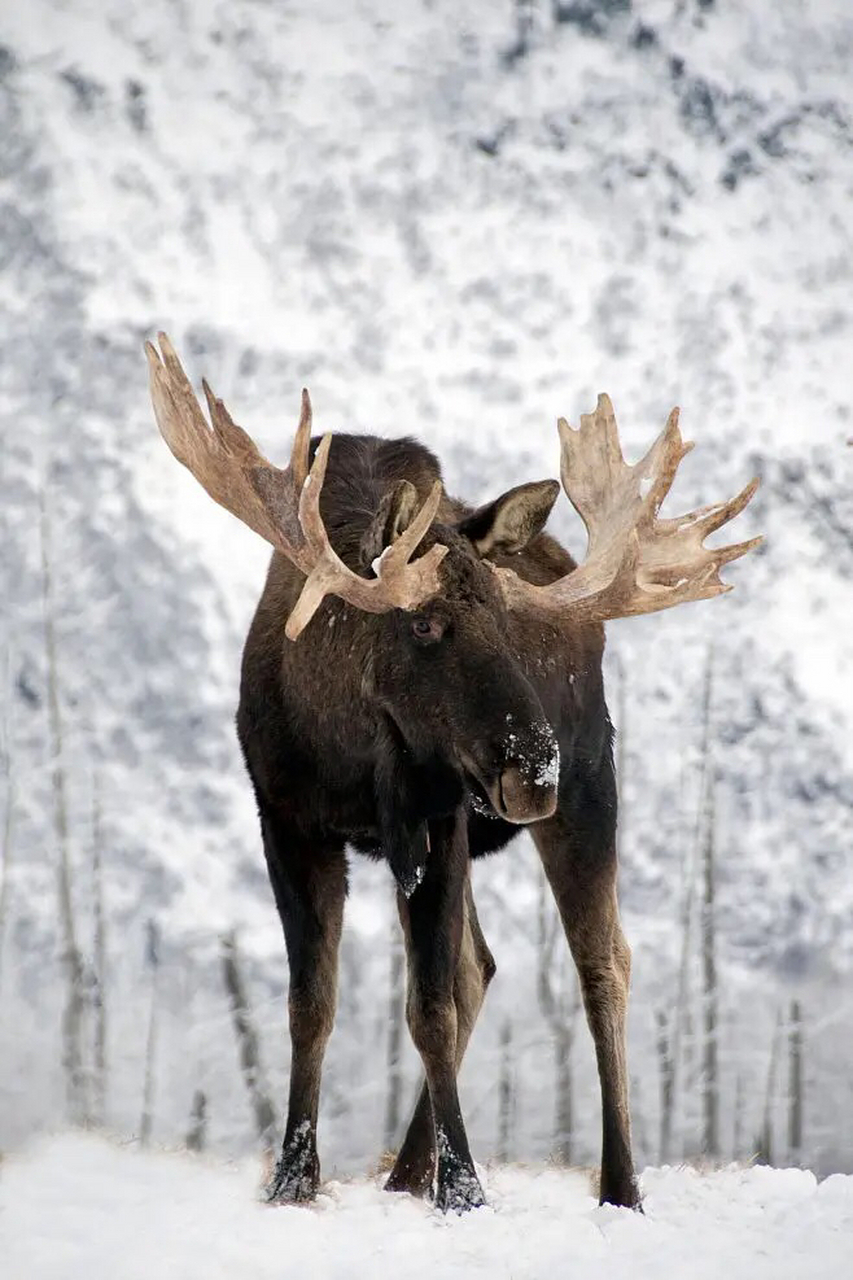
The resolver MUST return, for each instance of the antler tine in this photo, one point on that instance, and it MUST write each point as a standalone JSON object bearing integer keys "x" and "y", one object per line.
{"x": 598, "y": 429}
{"x": 309, "y": 500}
{"x": 662, "y": 461}
{"x": 300, "y": 453}
{"x": 232, "y": 437}
{"x": 635, "y": 563}
{"x": 725, "y": 555}
{"x": 717, "y": 514}
{"x": 172, "y": 396}
{"x": 401, "y": 550}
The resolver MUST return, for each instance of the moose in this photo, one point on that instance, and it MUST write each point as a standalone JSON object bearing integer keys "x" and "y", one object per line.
{"x": 420, "y": 679}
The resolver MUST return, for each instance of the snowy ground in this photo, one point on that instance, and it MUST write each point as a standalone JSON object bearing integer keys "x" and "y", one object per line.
{"x": 78, "y": 1206}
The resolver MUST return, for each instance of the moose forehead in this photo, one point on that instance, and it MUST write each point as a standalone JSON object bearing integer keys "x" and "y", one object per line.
{"x": 466, "y": 579}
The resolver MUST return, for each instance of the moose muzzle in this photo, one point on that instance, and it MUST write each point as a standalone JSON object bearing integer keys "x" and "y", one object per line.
{"x": 524, "y": 798}
{"x": 523, "y": 786}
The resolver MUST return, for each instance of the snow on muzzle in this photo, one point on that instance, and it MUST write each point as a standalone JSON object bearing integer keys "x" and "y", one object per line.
{"x": 523, "y": 788}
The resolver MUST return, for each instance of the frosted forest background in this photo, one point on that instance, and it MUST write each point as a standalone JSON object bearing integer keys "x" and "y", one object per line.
{"x": 456, "y": 220}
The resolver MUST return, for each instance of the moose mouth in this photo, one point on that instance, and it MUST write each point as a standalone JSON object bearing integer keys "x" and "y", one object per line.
{"x": 480, "y": 802}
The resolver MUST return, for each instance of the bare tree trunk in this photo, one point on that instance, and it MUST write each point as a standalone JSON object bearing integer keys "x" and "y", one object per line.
{"x": 673, "y": 1031}
{"x": 505, "y": 1095}
{"x": 9, "y": 811}
{"x": 764, "y": 1141}
{"x": 565, "y": 1100}
{"x": 678, "y": 1052}
{"x": 6, "y": 861}
{"x": 795, "y": 1085}
{"x": 667, "y": 1082}
{"x": 247, "y": 1039}
{"x": 152, "y": 949}
{"x": 560, "y": 1012}
{"x": 396, "y": 1020}
{"x": 710, "y": 1019}
{"x": 197, "y": 1132}
{"x": 639, "y": 1128}
{"x": 72, "y": 958}
{"x": 100, "y": 960}
{"x": 737, "y": 1135}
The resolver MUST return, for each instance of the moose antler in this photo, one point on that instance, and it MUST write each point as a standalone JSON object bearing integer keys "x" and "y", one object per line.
{"x": 284, "y": 506}
{"x": 635, "y": 563}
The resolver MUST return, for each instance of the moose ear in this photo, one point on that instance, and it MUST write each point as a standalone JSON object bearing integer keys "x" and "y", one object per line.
{"x": 393, "y": 516}
{"x": 507, "y": 524}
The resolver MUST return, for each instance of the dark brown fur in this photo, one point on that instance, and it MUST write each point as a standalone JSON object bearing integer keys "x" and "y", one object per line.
{"x": 362, "y": 734}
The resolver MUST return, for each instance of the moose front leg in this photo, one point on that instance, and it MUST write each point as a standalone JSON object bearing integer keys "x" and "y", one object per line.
{"x": 432, "y": 921}
{"x": 414, "y": 1168}
{"x": 584, "y": 886}
{"x": 309, "y": 888}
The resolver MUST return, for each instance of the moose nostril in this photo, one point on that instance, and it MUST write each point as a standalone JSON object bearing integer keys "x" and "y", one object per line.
{"x": 533, "y": 752}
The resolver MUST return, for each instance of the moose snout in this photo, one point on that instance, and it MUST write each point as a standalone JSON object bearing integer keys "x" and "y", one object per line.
{"x": 521, "y": 783}
{"x": 527, "y": 787}
{"x": 522, "y": 796}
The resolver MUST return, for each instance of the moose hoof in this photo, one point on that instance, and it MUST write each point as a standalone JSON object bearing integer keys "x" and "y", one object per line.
{"x": 459, "y": 1192}
{"x": 296, "y": 1177}
{"x": 288, "y": 1187}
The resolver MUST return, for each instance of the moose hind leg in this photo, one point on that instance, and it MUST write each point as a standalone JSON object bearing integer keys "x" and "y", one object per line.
{"x": 309, "y": 887}
{"x": 433, "y": 920}
{"x": 604, "y": 983}
{"x": 584, "y": 887}
{"x": 414, "y": 1168}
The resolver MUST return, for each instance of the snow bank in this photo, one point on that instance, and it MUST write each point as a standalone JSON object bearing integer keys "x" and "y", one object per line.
{"x": 77, "y": 1206}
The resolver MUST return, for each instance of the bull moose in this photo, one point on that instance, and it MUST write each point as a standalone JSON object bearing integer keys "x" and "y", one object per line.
{"x": 420, "y": 679}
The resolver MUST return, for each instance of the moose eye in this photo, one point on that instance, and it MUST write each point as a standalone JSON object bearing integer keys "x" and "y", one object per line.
{"x": 427, "y": 629}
